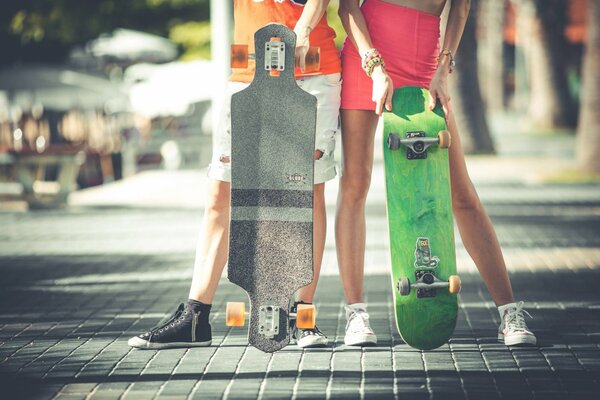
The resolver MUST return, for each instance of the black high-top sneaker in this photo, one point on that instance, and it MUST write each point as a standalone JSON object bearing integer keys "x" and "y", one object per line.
{"x": 187, "y": 327}
{"x": 306, "y": 338}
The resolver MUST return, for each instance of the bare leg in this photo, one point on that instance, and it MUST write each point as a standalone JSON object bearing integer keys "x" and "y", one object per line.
{"x": 307, "y": 293}
{"x": 213, "y": 245}
{"x": 475, "y": 226}
{"x": 358, "y": 132}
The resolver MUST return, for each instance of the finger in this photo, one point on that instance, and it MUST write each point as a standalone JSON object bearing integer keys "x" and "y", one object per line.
{"x": 432, "y": 99}
{"x": 379, "y": 107}
{"x": 389, "y": 98}
{"x": 444, "y": 102}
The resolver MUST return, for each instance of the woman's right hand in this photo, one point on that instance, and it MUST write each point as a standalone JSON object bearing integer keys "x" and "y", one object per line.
{"x": 383, "y": 90}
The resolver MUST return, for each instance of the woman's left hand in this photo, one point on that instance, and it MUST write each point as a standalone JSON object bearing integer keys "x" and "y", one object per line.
{"x": 438, "y": 89}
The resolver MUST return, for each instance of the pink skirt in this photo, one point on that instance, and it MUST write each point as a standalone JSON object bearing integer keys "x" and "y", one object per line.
{"x": 408, "y": 41}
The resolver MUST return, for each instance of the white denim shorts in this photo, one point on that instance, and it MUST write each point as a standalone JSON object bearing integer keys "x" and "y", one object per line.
{"x": 326, "y": 88}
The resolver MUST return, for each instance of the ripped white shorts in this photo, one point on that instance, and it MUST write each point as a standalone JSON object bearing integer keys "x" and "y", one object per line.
{"x": 326, "y": 88}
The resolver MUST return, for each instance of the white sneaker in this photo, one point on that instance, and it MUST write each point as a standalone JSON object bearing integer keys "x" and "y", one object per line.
{"x": 358, "y": 329}
{"x": 513, "y": 330}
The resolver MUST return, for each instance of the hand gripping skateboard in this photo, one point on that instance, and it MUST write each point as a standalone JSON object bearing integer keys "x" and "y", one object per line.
{"x": 273, "y": 123}
{"x": 419, "y": 210}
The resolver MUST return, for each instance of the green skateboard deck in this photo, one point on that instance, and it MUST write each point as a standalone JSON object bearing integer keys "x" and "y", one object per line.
{"x": 419, "y": 210}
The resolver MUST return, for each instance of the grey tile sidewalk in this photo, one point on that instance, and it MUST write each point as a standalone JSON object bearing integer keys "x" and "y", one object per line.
{"x": 75, "y": 284}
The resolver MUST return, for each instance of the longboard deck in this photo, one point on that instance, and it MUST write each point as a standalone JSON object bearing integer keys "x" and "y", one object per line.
{"x": 418, "y": 208}
{"x": 273, "y": 137}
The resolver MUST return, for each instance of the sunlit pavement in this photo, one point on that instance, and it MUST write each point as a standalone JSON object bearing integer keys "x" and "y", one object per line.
{"x": 77, "y": 283}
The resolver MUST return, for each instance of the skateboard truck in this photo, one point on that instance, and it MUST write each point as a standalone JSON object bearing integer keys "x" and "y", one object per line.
{"x": 274, "y": 56}
{"x": 268, "y": 321}
{"x": 269, "y": 317}
{"x": 417, "y": 143}
{"x": 429, "y": 281}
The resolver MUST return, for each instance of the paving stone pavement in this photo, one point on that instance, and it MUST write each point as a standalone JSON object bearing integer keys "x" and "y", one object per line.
{"x": 76, "y": 284}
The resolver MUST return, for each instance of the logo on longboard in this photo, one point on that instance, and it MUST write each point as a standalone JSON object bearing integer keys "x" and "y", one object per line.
{"x": 296, "y": 178}
{"x": 423, "y": 257}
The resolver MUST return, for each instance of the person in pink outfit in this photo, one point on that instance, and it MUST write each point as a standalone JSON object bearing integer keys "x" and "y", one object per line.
{"x": 393, "y": 43}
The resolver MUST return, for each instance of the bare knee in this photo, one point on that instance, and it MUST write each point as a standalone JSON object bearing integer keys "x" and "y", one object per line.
{"x": 354, "y": 189}
{"x": 465, "y": 200}
{"x": 218, "y": 197}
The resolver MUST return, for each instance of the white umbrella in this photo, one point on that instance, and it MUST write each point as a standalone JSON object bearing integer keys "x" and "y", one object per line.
{"x": 169, "y": 89}
{"x": 129, "y": 45}
{"x": 60, "y": 89}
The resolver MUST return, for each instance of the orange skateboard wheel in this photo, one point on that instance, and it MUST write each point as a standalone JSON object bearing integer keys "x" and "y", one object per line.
{"x": 235, "y": 314}
{"x": 444, "y": 139}
{"x": 305, "y": 316}
{"x": 455, "y": 284}
{"x": 239, "y": 56}
{"x": 313, "y": 59}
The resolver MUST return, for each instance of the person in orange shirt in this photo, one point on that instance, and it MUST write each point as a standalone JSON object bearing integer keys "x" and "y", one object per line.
{"x": 189, "y": 325}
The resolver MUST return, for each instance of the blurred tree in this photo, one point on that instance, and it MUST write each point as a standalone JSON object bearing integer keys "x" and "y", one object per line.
{"x": 550, "y": 102}
{"x": 194, "y": 37}
{"x": 588, "y": 130}
{"x": 466, "y": 94}
{"x": 41, "y": 30}
{"x": 334, "y": 21}
{"x": 491, "y": 52}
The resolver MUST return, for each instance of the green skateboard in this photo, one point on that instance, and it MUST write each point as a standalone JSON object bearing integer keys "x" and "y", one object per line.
{"x": 419, "y": 209}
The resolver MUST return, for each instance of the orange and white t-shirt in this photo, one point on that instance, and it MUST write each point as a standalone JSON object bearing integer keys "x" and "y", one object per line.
{"x": 251, "y": 15}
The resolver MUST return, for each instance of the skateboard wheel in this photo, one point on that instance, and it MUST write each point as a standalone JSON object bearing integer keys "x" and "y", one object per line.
{"x": 393, "y": 141}
{"x": 404, "y": 286}
{"x": 312, "y": 61}
{"x": 454, "y": 282}
{"x": 444, "y": 139}
{"x": 305, "y": 316}
{"x": 239, "y": 56}
{"x": 235, "y": 315}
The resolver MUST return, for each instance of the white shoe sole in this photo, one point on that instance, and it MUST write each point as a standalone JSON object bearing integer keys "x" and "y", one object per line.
{"x": 309, "y": 342}
{"x": 143, "y": 344}
{"x": 361, "y": 340}
{"x": 518, "y": 340}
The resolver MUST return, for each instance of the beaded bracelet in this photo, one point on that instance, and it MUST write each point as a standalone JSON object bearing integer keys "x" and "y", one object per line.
{"x": 371, "y": 59}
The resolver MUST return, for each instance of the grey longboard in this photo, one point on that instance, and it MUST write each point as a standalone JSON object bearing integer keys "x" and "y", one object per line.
{"x": 273, "y": 124}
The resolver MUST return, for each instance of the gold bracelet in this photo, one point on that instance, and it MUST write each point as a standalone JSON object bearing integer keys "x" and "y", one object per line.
{"x": 446, "y": 52}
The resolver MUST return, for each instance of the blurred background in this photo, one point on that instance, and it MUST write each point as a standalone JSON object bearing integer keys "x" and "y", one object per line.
{"x": 105, "y": 136}
{"x": 100, "y": 91}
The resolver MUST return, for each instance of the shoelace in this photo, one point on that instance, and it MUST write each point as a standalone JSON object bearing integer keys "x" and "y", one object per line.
{"x": 514, "y": 319}
{"x": 361, "y": 318}
{"x": 165, "y": 322}
{"x": 315, "y": 331}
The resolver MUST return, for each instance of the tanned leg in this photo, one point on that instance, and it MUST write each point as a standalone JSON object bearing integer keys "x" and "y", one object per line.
{"x": 358, "y": 132}
{"x": 213, "y": 245}
{"x": 475, "y": 226}
{"x": 307, "y": 293}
